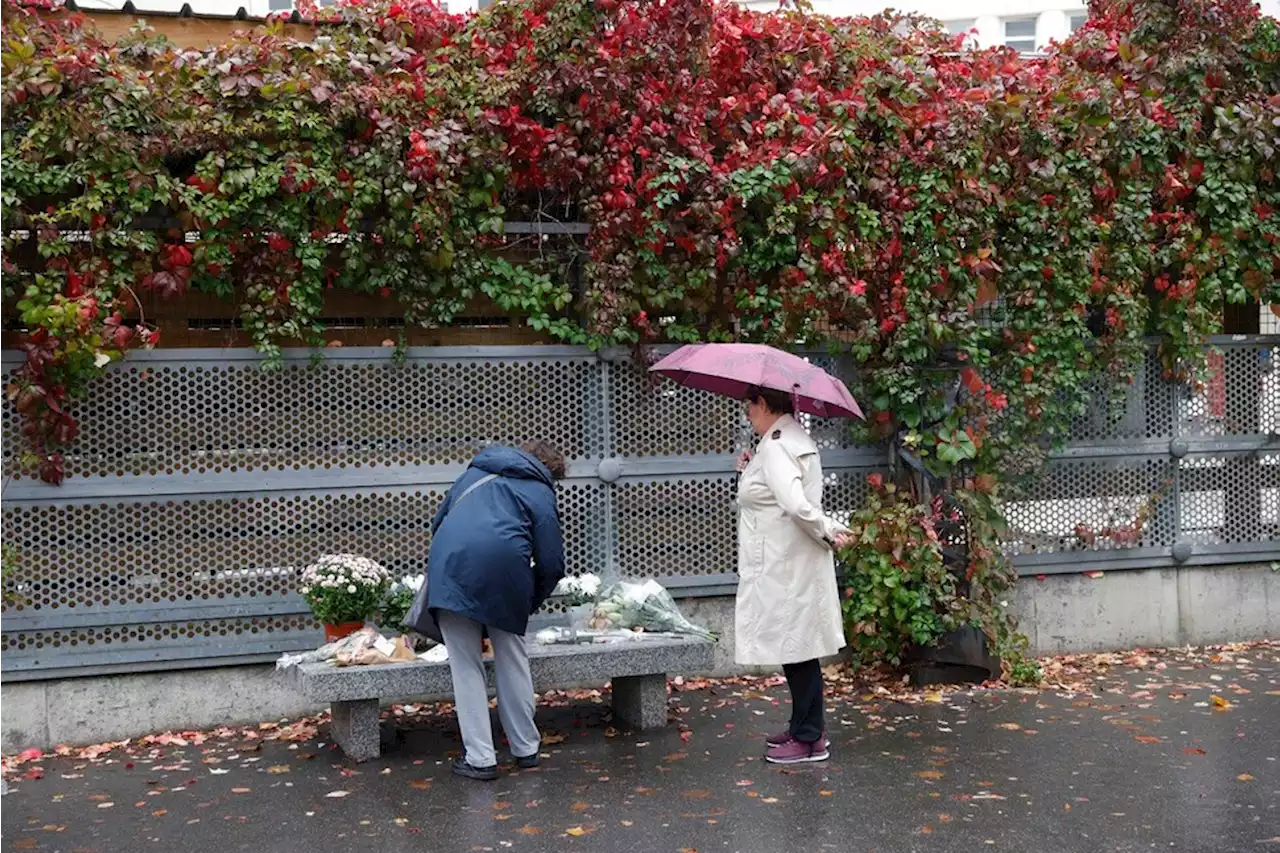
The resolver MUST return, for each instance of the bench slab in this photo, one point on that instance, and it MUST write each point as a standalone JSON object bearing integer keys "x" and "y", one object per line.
{"x": 637, "y": 668}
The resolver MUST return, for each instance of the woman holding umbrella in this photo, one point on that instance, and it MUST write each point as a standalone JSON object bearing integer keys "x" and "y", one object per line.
{"x": 788, "y": 602}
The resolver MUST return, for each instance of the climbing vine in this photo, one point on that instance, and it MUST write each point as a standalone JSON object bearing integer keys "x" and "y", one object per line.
{"x": 987, "y": 236}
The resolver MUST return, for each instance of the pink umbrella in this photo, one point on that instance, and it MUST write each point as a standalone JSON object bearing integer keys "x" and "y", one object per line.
{"x": 730, "y": 369}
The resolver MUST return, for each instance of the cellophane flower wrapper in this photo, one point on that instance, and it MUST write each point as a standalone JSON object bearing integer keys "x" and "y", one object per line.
{"x": 642, "y": 604}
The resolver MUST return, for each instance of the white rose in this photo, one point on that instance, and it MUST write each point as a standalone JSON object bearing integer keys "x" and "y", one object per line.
{"x": 351, "y": 589}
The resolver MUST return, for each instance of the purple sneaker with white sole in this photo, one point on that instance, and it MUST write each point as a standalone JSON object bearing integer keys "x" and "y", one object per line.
{"x": 777, "y": 740}
{"x": 798, "y": 752}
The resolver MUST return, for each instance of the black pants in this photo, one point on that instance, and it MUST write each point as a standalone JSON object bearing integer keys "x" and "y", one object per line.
{"x": 805, "y": 681}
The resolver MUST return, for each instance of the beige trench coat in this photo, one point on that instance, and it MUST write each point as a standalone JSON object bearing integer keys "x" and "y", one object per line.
{"x": 788, "y": 605}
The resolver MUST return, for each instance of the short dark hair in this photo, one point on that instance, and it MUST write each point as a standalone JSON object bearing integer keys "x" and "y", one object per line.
{"x": 546, "y": 453}
{"x": 777, "y": 402}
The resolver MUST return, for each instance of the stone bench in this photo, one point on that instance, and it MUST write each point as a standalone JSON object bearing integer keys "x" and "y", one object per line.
{"x": 638, "y": 670}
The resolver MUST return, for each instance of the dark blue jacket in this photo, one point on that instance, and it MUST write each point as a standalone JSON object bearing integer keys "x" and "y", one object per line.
{"x": 479, "y": 565}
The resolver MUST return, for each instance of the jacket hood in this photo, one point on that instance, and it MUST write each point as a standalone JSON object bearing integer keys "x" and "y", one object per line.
{"x": 512, "y": 462}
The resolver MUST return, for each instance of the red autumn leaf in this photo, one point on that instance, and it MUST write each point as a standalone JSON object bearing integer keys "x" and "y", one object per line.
{"x": 165, "y": 283}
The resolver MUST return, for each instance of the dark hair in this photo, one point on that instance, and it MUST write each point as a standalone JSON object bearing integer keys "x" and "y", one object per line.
{"x": 777, "y": 402}
{"x": 546, "y": 453}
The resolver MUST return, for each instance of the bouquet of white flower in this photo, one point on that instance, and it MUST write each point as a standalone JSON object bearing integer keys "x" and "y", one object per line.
{"x": 645, "y": 605}
{"x": 344, "y": 588}
{"x": 580, "y": 589}
{"x": 398, "y": 601}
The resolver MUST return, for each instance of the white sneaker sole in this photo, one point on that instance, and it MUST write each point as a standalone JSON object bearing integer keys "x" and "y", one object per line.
{"x": 809, "y": 759}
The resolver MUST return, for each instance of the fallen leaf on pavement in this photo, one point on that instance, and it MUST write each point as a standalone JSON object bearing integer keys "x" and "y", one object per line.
{"x": 929, "y": 774}
{"x": 277, "y": 769}
{"x": 575, "y": 831}
{"x": 240, "y": 790}
{"x": 421, "y": 784}
{"x": 579, "y": 807}
{"x": 1245, "y": 777}
{"x": 1013, "y": 727}
{"x": 334, "y": 795}
{"x": 1146, "y": 739}
{"x": 697, "y": 794}
{"x": 1220, "y": 704}
{"x": 1193, "y": 750}
{"x": 528, "y": 830}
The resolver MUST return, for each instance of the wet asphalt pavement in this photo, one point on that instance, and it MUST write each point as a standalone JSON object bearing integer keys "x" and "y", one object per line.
{"x": 1116, "y": 759}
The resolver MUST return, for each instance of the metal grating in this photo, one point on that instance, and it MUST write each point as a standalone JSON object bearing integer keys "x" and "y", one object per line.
{"x": 209, "y": 417}
{"x": 1145, "y": 412}
{"x": 1094, "y": 505}
{"x": 676, "y": 528}
{"x": 200, "y": 485}
{"x": 1174, "y": 475}
{"x": 652, "y": 418}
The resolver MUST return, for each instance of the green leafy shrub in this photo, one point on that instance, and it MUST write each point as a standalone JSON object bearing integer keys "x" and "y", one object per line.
{"x": 898, "y": 592}
{"x": 8, "y": 567}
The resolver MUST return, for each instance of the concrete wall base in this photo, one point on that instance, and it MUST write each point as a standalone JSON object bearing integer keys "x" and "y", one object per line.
{"x": 1060, "y": 614}
{"x": 1152, "y": 608}
{"x": 114, "y": 707}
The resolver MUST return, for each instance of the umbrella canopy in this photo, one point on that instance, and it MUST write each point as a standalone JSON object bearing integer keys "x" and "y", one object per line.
{"x": 730, "y": 369}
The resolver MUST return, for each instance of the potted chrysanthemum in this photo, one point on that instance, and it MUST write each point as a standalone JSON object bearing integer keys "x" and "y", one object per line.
{"x": 344, "y": 590}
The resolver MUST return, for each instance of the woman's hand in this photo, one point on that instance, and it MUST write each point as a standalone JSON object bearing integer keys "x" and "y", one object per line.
{"x": 843, "y": 540}
{"x": 744, "y": 459}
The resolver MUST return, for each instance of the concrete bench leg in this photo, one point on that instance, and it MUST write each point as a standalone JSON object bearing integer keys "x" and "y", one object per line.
{"x": 354, "y": 727}
{"x": 640, "y": 701}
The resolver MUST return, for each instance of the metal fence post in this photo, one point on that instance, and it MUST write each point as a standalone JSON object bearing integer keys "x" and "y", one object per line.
{"x": 609, "y": 473}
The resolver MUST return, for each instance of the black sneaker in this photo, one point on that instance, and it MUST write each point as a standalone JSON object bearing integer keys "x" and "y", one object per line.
{"x": 528, "y": 762}
{"x": 481, "y": 774}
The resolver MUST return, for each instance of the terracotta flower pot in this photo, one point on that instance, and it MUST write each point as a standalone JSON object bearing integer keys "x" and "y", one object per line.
{"x": 342, "y": 629}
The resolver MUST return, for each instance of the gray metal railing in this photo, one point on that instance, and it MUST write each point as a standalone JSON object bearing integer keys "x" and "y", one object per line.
{"x": 200, "y": 485}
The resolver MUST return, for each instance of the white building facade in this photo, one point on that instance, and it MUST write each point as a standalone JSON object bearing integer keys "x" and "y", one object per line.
{"x": 1025, "y": 25}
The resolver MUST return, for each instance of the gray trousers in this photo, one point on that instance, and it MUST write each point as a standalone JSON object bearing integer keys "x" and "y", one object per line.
{"x": 462, "y": 637}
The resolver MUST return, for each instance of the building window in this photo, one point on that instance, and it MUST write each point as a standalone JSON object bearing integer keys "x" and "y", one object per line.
{"x": 1078, "y": 21}
{"x": 280, "y": 5}
{"x": 1020, "y": 34}
{"x": 956, "y": 28}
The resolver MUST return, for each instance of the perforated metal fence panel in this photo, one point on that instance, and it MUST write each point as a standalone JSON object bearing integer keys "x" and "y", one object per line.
{"x": 200, "y": 485}
{"x": 1175, "y": 475}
